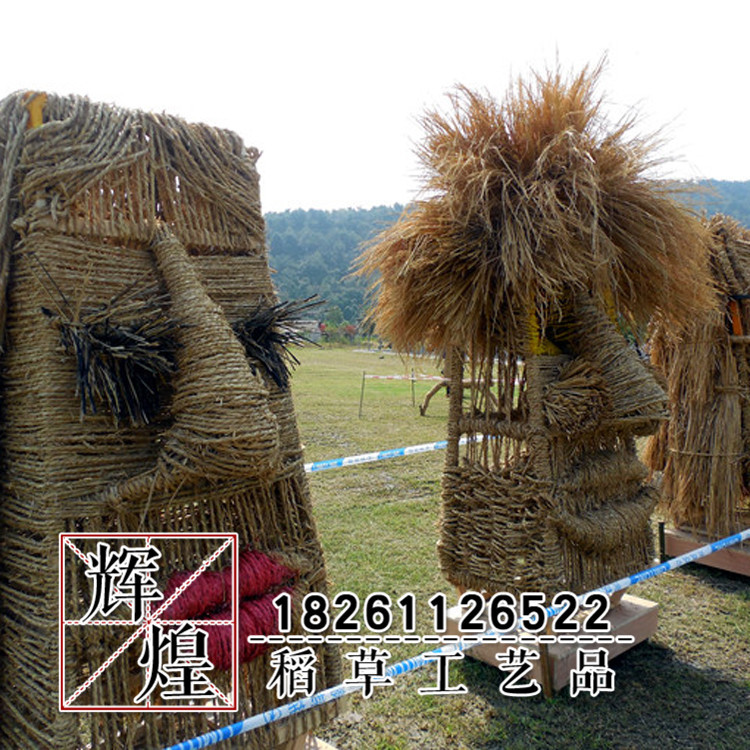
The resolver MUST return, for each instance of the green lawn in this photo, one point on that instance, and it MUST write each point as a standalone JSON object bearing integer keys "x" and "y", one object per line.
{"x": 688, "y": 687}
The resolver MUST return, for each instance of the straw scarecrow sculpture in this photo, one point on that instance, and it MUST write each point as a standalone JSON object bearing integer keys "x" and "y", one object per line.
{"x": 144, "y": 389}
{"x": 540, "y": 236}
{"x": 704, "y": 449}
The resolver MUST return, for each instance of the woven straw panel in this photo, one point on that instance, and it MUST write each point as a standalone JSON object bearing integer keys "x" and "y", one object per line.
{"x": 91, "y": 183}
{"x": 542, "y": 504}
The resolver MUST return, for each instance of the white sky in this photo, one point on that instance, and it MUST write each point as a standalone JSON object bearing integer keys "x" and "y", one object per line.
{"x": 330, "y": 91}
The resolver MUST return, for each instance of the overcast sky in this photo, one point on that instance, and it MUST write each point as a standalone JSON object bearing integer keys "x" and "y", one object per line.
{"x": 330, "y": 92}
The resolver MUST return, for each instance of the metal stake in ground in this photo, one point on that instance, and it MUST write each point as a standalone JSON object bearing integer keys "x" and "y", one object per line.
{"x": 362, "y": 394}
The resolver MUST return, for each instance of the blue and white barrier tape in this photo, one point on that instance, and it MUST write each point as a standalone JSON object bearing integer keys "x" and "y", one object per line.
{"x": 675, "y": 562}
{"x": 414, "y": 378}
{"x": 410, "y": 665}
{"x": 364, "y": 458}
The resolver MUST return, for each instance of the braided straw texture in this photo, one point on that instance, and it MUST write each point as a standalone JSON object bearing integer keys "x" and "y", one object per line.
{"x": 553, "y": 497}
{"x": 223, "y": 427}
{"x": 95, "y": 201}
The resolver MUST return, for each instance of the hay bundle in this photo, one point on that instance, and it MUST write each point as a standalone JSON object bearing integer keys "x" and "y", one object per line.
{"x": 704, "y": 451}
{"x": 528, "y": 200}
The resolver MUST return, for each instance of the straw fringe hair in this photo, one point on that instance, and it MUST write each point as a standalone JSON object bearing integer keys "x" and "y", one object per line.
{"x": 526, "y": 200}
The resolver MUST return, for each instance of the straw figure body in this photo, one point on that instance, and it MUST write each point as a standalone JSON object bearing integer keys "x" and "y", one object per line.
{"x": 704, "y": 449}
{"x": 539, "y": 237}
{"x": 144, "y": 389}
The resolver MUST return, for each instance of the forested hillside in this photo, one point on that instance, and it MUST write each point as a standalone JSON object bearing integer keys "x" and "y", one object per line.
{"x": 312, "y": 251}
{"x": 723, "y": 197}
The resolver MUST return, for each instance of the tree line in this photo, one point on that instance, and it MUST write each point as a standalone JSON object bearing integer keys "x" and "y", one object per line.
{"x": 312, "y": 251}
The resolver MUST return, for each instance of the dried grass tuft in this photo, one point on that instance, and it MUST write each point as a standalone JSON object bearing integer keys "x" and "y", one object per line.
{"x": 268, "y": 332}
{"x": 525, "y": 201}
{"x": 124, "y": 352}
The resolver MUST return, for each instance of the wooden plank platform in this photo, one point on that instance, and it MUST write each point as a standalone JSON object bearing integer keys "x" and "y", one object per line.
{"x": 732, "y": 559}
{"x": 632, "y": 617}
{"x": 306, "y": 742}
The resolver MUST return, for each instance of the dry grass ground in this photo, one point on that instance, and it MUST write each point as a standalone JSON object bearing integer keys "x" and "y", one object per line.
{"x": 688, "y": 687}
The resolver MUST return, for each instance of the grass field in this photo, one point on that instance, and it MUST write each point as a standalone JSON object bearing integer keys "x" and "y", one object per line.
{"x": 688, "y": 687}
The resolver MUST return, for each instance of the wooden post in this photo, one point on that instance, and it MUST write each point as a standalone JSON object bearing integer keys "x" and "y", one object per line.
{"x": 634, "y": 617}
{"x": 662, "y": 543}
{"x": 548, "y": 686}
{"x": 362, "y": 394}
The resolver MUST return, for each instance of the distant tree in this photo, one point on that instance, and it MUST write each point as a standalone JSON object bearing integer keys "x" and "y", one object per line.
{"x": 721, "y": 197}
{"x": 334, "y": 317}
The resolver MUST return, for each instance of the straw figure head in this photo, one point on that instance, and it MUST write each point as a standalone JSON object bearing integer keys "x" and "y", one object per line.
{"x": 540, "y": 239}
{"x": 526, "y": 201}
{"x": 145, "y": 391}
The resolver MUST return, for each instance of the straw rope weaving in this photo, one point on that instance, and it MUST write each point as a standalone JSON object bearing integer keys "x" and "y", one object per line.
{"x": 132, "y": 257}
{"x": 540, "y": 238}
{"x": 704, "y": 450}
